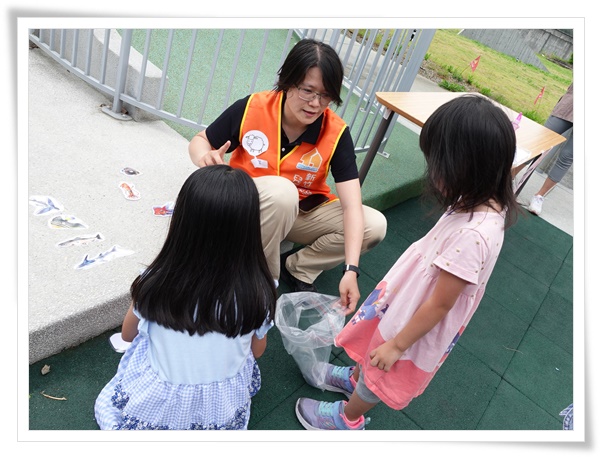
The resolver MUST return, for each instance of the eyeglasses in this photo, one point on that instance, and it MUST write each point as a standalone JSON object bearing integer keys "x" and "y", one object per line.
{"x": 308, "y": 96}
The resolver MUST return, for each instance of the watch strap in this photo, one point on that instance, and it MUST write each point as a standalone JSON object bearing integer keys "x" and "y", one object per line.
{"x": 353, "y": 268}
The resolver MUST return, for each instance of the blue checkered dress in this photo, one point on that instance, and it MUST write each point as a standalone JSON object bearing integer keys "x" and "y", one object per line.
{"x": 137, "y": 399}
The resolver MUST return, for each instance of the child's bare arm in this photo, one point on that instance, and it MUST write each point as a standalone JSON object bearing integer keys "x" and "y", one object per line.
{"x": 129, "y": 330}
{"x": 258, "y": 346}
{"x": 429, "y": 314}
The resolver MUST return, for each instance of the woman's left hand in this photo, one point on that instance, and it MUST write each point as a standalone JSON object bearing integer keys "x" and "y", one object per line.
{"x": 349, "y": 292}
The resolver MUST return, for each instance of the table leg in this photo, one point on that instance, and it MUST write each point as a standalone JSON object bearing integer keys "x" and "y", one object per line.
{"x": 530, "y": 169}
{"x": 377, "y": 140}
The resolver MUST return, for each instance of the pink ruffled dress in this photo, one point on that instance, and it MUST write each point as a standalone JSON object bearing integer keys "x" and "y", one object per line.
{"x": 464, "y": 246}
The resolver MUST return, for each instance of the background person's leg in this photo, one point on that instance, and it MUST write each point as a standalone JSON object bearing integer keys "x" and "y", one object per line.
{"x": 563, "y": 156}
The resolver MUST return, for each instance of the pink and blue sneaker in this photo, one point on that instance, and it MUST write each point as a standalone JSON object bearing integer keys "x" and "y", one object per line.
{"x": 339, "y": 379}
{"x": 323, "y": 415}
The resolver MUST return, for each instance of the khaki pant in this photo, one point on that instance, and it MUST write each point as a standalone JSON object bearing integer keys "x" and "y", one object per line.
{"x": 320, "y": 231}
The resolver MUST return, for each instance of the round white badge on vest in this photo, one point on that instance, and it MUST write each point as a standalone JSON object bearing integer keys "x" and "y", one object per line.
{"x": 255, "y": 143}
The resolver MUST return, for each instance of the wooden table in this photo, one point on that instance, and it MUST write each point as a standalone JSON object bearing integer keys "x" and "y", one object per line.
{"x": 533, "y": 140}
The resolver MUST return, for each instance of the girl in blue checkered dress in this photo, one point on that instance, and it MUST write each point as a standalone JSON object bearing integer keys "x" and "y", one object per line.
{"x": 199, "y": 315}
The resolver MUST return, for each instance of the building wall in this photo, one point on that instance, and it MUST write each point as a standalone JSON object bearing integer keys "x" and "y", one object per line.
{"x": 550, "y": 42}
{"x": 525, "y": 44}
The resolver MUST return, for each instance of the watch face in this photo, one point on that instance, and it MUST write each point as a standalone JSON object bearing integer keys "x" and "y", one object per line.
{"x": 353, "y": 268}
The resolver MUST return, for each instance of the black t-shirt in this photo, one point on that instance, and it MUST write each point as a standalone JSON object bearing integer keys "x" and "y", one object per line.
{"x": 227, "y": 128}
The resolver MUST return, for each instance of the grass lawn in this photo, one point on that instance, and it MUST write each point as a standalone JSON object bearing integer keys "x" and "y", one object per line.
{"x": 499, "y": 76}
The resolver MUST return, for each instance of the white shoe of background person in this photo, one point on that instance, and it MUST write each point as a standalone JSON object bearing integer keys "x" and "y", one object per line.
{"x": 535, "y": 206}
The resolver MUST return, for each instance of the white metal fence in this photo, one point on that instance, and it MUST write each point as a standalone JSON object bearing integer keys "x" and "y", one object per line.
{"x": 188, "y": 76}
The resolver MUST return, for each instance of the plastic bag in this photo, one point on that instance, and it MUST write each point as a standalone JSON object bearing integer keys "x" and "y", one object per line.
{"x": 308, "y": 323}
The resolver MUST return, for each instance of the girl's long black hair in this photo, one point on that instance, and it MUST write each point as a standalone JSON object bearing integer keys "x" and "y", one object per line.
{"x": 211, "y": 274}
{"x": 469, "y": 145}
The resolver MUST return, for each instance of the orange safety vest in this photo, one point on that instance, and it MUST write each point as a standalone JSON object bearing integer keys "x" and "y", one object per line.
{"x": 307, "y": 165}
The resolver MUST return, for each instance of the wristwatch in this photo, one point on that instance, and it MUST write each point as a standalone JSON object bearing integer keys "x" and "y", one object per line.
{"x": 353, "y": 268}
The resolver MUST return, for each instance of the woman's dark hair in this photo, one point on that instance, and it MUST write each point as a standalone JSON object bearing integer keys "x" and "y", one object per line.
{"x": 305, "y": 55}
{"x": 469, "y": 146}
{"x": 211, "y": 274}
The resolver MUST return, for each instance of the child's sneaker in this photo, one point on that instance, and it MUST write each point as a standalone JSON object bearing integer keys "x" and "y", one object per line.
{"x": 535, "y": 206}
{"x": 339, "y": 379}
{"x": 323, "y": 415}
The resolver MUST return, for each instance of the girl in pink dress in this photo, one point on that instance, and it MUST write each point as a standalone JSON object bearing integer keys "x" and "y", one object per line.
{"x": 408, "y": 325}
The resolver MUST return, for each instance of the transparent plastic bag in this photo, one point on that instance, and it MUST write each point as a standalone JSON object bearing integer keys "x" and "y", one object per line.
{"x": 308, "y": 323}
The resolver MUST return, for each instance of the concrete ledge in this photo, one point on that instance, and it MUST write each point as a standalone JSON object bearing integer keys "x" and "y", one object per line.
{"x": 75, "y": 154}
{"x": 94, "y": 46}
{"x": 74, "y": 329}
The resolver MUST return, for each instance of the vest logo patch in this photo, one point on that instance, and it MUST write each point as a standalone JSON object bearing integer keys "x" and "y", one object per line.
{"x": 255, "y": 142}
{"x": 311, "y": 161}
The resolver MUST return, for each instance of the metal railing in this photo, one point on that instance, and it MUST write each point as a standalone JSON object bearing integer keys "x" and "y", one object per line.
{"x": 188, "y": 76}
